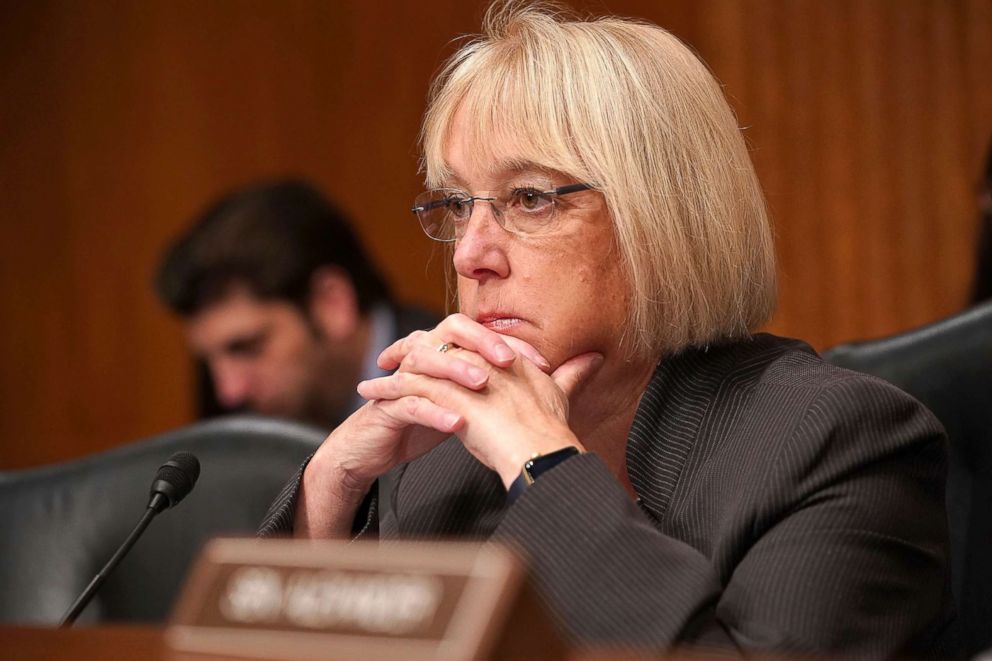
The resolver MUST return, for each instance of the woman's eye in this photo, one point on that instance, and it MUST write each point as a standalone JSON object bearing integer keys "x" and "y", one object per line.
{"x": 458, "y": 207}
{"x": 530, "y": 199}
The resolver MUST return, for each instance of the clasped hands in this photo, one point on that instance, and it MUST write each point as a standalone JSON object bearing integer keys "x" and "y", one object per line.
{"x": 495, "y": 392}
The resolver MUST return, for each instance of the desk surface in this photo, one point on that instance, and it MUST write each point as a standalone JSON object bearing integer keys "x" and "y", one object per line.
{"x": 84, "y": 643}
{"x": 136, "y": 642}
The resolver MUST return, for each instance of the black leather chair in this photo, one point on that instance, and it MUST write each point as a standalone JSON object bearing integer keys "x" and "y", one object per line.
{"x": 63, "y": 522}
{"x": 948, "y": 366}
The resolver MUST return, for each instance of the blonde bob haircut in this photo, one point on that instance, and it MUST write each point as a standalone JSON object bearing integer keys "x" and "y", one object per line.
{"x": 625, "y": 106}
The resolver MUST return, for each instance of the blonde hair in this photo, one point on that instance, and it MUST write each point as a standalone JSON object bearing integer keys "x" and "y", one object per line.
{"x": 624, "y": 106}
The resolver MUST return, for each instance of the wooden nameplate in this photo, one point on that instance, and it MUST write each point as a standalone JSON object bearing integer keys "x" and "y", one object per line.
{"x": 298, "y": 599}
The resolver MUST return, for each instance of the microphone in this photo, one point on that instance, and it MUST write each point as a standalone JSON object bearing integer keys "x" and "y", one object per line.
{"x": 173, "y": 482}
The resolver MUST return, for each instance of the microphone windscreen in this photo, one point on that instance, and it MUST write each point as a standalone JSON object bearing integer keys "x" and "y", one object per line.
{"x": 177, "y": 477}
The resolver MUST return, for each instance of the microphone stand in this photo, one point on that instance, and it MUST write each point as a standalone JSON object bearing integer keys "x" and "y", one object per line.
{"x": 154, "y": 507}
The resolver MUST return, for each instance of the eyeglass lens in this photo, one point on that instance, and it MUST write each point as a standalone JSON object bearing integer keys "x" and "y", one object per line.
{"x": 443, "y": 213}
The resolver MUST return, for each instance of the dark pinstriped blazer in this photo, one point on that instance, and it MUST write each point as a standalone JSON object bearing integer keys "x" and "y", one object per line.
{"x": 784, "y": 504}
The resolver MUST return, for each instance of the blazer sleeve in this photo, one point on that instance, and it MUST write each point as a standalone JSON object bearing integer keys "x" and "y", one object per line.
{"x": 845, "y": 551}
{"x": 278, "y": 521}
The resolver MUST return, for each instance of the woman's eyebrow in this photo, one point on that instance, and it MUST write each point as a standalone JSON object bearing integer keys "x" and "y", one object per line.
{"x": 513, "y": 167}
{"x": 501, "y": 171}
{"x": 452, "y": 180}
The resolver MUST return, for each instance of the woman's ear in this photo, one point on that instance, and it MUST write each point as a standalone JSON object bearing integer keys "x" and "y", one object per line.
{"x": 334, "y": 303}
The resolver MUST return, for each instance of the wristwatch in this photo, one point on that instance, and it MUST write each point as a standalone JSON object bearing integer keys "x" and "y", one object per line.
{"x": 535, "y": 467}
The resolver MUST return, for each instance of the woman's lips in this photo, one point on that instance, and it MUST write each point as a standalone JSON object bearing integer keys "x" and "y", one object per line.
{"x": 500, "y": 324}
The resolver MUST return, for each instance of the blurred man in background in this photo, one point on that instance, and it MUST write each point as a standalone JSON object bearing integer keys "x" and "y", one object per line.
{"x": 282, "y": 304}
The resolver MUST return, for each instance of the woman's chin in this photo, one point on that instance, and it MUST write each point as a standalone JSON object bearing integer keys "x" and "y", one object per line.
{"x": 526, "y": 332}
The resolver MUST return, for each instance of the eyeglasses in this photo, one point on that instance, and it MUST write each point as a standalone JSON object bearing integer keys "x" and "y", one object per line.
{"x": 444, "y": 213}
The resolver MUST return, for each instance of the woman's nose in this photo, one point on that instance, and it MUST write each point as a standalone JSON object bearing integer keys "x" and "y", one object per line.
{"x": 480, "y": 253}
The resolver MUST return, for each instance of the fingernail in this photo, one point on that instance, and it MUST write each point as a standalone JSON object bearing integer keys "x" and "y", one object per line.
{"x": 504, "y": 353}
{"x": 450, "y": 420}
{"x": 543, "y": 362}
{"x": 476, "y": 376}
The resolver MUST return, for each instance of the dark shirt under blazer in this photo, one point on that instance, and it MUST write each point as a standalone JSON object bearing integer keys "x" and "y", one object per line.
{"x": 784, "y": 504}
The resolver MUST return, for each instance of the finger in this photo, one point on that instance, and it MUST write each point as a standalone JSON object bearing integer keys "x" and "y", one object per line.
{"x": 519, "y": 346}
{"x": 463, "y": 367}
{"x": 393, "y": 355}
{"x": 403, "y": 384}
{"x": 466, "y": 333}
{"x": 528, "y": 352}
{"x": 574, "y": 372}
{"x": 415, "y": 410}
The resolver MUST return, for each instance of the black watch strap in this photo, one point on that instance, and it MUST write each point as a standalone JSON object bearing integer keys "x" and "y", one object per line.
{"x": 535, "y": 467}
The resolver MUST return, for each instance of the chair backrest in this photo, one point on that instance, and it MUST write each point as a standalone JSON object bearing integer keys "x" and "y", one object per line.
{"x": 63, "y": 522}
{"x": 948, "y": 366}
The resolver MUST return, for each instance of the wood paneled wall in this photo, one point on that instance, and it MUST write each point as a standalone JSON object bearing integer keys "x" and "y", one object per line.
{"x": 120, "y": 120}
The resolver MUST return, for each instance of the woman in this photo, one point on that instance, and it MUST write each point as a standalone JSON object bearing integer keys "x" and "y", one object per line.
{"x": 600, "y": 401}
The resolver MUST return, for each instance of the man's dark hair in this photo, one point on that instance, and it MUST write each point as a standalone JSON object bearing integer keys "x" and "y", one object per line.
{"x": 270, "y": 238}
